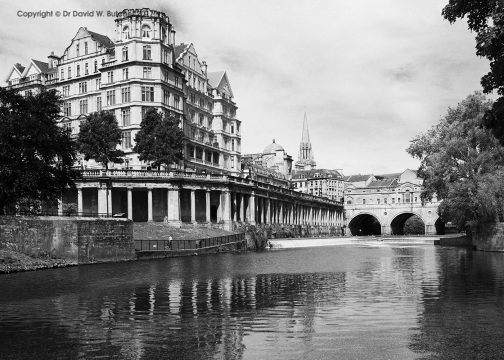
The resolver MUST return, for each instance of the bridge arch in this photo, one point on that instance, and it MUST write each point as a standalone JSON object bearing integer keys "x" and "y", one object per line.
{"x": 364, "y": 224}
{"x": 397, "y": 225}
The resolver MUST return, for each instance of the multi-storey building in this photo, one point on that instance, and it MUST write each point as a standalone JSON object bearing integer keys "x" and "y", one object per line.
{"x": 213, "y": 139}
{"x": 320, "y": 182}
{"x": 140, "y": 70}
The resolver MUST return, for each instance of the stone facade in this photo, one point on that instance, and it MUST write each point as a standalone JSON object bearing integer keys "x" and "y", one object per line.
{"x": 78, "y": 240}
{"x": 141, "y": 68}
{"x": 274, "y": 158}
{"x": 320, "y": 182}
{"x": 384, "y": 204}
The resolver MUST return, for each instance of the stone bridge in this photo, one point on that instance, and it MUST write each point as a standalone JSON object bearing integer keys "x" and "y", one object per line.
{"x": 389, "y": 219}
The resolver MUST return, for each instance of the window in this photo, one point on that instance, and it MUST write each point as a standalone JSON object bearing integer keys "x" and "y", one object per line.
{"x": 385, "y": 200}
{"x": 126, "y": 116}
{"x": 62, "y": 74}
{"x": 147, "y": 93}
{"x": 111, "y": 97}
{"x": 192, "y": 115}
{"x": 83, "y": 106}
{"x": 177, "y": 81}
{"x": 83, "y": 87}
{"x": 363, "y": 201}
{"x": 146, "y": 31}
{"x": 77, "y": 49}
{"x": 232, "y": 129}
{"x": 166, "y": 56}
{"x": 125, "y": 53}
{"x": 210, "y": 123}
{"x": 69, "y": 72}
{"x": 145, "y": 109}
{"x": 125, "y": 95}
{"x": 125, "y": 74}
{"x": 147, "y": 72}
{"x": 201, "y": 119}
{"x": 67, "y": 109}
{"x": 126, "y": 140}
{"x": 28, "y": 93}
{"x": 125, "y": 32}
{"x": 66, "y": 90}
{"x": 193, "y": 98}
{"x": 96, "y": 66}
{"x": 98, "y": 103}
{"x": 166, "y": 97}
{"x": 85, "y": 48}
{"x": 110, "y": 76}
{"x": 176, "y": 100}
{"x": 393, "y": 200}
{"x": 146, "y": 52}
{"x": 232, "y": 162}
{"x": 232, "y": 145}
{"x": 98, "y": 84}
{"x": 377, "y": 201}
{"x": 78, "y": 70}
{"x": 86, "y": 69}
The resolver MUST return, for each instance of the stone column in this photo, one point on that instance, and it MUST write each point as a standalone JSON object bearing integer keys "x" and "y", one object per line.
{"x": 80, "y": 203}
{"x": 268, "y": 211}
{"x": 174, "y": 207}
{"x": 242, "y": 208}
{"x": 149, "y": 204}
{"x": 130, "y": 203}
{"x": 193, "y": 206}
{"x": 207, "y": 206}
{"x": 220, "y": 212}
{"x": 281, "y": 216}
{"x": 251, "y": 206}
{"x": 102, "y": 200}
{"x": 228, "y": 225}
{"x": 234, "y": 206}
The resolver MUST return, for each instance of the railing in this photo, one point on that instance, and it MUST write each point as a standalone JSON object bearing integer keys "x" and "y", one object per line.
{"x": 181, "y": 174}
{"x": 184, "y": 245}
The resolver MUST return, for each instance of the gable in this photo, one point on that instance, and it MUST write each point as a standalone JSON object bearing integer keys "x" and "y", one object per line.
{"x": 13, "y": 74}
{"x": 31, "y": 70}
{"x": 225, "y": 86}
{"x": 95, "y": 42}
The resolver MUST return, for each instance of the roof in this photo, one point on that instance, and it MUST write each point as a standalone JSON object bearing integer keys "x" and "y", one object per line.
{"x": 19, "y": 67}
{"x": 389, "y": 176}
{"x": 43, "y": 66}
{"x": 383, "y": 183}
{"x": 357, "y": 178}
{"x": 273, "y": 147}
{"x": 215, "y": 78}
{"x": 102, "y": 39}
{"x": 322, "y": 173}
{"x": 179, "y": 49}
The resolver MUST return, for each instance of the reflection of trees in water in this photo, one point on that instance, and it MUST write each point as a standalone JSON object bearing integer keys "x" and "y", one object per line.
{"x": 465, "y": 318}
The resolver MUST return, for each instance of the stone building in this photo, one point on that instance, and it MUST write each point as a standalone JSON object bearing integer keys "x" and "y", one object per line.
{"x": 141, "y": 68}
{"x": 273, "y": 157}
{"x": 381, "y": 204}
{"x": 320, "y": 182}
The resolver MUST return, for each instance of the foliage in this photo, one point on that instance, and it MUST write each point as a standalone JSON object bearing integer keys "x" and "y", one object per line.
{"x": 486, "y": 19}
{"x": 36, "y": 155}
{"x": 99, "y": 136}
{"x": 461, "y": 164}
{"x": 159, "y": 140}
{"x": 414, "y": 226}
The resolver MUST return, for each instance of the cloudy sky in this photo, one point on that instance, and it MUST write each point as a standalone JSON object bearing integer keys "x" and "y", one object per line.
{"x": 369, "y": 74}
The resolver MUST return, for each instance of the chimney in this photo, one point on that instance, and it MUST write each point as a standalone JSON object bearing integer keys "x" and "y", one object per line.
{"x": 172, "y": 34}
{"x": 204, "y": 67}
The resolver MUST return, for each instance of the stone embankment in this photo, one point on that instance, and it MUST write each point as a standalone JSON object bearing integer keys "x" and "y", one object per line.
{"x": 36, "y": 242}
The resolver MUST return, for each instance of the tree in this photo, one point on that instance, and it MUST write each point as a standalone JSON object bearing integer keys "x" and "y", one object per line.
{"x": 461, "y": 164}
{"x": 159, "y": 140}
{"x": 36, "y": 155}
{"x": 414, "y": 226}
{"x": 486, "y": 19}
{"x": 99, "y": 136}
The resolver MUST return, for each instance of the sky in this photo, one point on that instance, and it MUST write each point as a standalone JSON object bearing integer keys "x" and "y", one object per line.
{"x": 370, "y": 75}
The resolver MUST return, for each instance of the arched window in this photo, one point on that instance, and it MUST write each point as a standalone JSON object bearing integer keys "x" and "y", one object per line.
{"x": 146, "y": 31}
{"x": 125, "y": 33}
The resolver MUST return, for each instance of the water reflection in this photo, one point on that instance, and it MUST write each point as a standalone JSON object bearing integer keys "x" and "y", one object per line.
{"x": 348, "y": 302}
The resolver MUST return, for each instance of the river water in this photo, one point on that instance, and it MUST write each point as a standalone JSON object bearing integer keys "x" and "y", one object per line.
{"x": 352, "y": 301}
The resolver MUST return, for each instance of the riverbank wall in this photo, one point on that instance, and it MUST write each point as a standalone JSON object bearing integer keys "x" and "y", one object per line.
{"x": 72, "y": 240}
{"x": 489, "y": 237}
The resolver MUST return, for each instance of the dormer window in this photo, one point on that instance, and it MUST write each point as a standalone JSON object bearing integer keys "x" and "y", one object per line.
{"x": 146, "y": 31}
{"x": 125, "y": 33}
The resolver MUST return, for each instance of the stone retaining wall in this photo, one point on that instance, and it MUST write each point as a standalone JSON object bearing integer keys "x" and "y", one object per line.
{"x": 78, "y": 240}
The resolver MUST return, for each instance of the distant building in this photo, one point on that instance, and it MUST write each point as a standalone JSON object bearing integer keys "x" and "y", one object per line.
{"x": 397, "y": 188}
{"x": 274, "y": 158}
{"x": 320, "y": 182}
{"x": 306, "y": 160}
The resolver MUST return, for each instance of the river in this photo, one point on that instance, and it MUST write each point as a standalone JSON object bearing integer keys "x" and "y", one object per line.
{"x": 351, "y": 301}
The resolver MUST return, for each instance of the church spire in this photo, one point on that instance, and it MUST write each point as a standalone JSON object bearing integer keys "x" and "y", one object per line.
{"x": 306, "y": 161}
{"x": 306, "y": 135}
